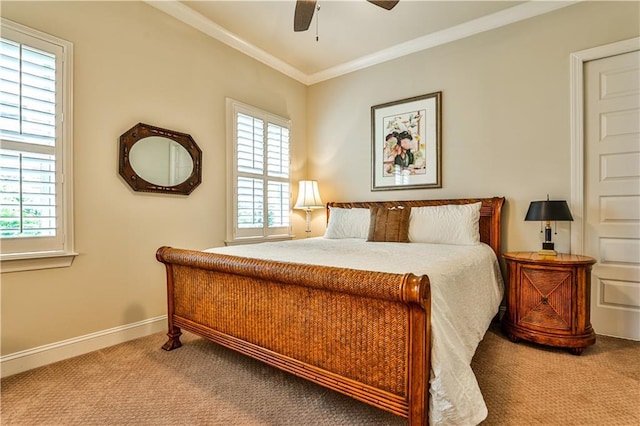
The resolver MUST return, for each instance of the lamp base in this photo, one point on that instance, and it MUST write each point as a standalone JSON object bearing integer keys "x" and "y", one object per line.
{"x": 308, "y": 218}
{"x": 548, "y": 248}
{"x": 547, "y": 252}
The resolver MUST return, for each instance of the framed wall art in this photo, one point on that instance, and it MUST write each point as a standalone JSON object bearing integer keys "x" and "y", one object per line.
{"x": 406, "y": 143}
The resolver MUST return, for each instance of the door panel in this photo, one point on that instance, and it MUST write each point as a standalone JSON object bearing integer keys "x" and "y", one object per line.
{"x": 612, "y": 192}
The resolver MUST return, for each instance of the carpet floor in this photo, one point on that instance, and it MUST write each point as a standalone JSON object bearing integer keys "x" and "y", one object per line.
{"x": 137, "y": 383}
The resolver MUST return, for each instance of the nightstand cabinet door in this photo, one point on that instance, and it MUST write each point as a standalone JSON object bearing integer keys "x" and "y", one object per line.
{"x": 549, "y": 299}
{"x": 545, "y": 298}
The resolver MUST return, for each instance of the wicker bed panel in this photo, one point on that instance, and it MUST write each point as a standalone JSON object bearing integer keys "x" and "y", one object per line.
{"x": 314, "y": 326}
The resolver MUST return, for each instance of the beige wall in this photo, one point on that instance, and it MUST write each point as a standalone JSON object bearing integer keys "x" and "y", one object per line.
{"x": 506, "y": 124}
{"x": 135, "y": 64}
{"x": 505, "y": 132}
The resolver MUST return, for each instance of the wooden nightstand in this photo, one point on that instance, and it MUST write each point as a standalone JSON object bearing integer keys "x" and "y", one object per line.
{"x": 549, "y": 300}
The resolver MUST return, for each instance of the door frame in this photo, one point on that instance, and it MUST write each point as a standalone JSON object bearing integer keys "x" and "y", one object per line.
{"x": 577, "y": 61}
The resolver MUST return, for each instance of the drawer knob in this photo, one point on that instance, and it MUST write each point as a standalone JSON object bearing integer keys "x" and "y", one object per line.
{"x": 545, "y": 299}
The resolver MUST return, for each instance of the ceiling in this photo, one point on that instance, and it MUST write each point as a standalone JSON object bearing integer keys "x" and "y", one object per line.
{"x": 351, "y": 34}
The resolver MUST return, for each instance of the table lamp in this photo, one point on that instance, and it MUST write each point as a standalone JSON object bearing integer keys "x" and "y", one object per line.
{"x": 547, "y": 211}
{"x": 308, "y": 199}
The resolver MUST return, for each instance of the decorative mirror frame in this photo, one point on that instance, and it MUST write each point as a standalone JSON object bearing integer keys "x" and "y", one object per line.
{"x": 136, "y": 182}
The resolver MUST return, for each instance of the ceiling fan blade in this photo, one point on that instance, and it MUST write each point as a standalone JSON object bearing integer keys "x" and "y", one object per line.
{"x": 385, "y": 4}
{"x": 303, "y": 14}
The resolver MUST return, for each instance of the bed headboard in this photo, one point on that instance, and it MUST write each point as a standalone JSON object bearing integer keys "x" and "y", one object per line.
{"x": 490, "y": 213}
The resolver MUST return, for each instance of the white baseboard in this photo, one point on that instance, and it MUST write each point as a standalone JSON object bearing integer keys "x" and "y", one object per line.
{"x": 18, "y": 362}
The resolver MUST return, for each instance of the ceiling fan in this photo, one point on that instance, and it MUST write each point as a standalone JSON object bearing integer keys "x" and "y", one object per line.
{"x": 306, "y": 8}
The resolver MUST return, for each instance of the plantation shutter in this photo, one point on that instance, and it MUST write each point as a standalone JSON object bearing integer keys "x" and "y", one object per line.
{"x": 29, "y": 174}
{"x": 250, "y": 161}
{"x": 278, "y": 175}
{"x": 261, "y": 174}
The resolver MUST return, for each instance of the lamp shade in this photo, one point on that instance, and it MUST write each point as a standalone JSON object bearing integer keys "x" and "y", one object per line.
{"x": 308, "y": 196}
{"x": 548, "y": 210}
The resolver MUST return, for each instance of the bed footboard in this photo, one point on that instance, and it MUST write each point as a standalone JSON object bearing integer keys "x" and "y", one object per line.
{"x": 365, "y": 334}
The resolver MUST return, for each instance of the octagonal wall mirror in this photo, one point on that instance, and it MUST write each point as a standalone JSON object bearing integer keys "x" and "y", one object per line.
{"x": 153, "y": 159}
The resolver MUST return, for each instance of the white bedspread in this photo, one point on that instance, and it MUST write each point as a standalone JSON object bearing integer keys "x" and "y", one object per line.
{"x": 466, "y": 289}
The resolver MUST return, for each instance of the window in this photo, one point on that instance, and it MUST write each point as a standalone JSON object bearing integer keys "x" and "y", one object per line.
{"x": 35, "y": 150}
{"x": 258, "y": 150}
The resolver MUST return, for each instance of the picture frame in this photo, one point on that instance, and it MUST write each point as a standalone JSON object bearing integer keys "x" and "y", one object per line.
{"x": 407, "y": 143}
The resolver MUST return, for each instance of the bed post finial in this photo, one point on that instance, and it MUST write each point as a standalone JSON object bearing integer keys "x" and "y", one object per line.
{"x": 416, "y": 289}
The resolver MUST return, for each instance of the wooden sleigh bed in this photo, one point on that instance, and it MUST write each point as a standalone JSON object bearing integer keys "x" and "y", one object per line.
{"x": 362, "y": 333}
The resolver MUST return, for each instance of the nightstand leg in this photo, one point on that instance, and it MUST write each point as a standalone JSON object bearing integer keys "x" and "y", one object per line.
{"x": 576, "y": 351}
{"x": 514, "y": 339}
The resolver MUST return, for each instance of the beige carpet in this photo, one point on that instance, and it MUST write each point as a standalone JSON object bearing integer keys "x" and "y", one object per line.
{"x": 137, "y": 383}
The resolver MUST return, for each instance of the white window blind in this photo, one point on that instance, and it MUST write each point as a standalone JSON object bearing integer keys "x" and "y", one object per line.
{"x": 27, "y": 117}
{"x": 34, "y": 199}
{"x": 259, "y": 146}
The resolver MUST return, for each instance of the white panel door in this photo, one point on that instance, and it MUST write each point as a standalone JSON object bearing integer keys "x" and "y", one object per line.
{"x": 612, "y": 192}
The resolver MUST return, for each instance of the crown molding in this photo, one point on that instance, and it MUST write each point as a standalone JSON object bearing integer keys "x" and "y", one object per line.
{"x": 200, "y": 22}
{"x": 457, "y": 32}
{"x": 504, "y": 17}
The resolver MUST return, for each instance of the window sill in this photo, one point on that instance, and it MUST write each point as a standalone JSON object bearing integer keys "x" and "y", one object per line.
{"x": 255, "y": 240}
{"x": 35, "y": 261}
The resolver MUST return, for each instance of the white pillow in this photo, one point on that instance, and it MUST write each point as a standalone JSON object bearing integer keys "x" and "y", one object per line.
{"x": 348, "y": 223}
{"x": 447, "y": 224}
